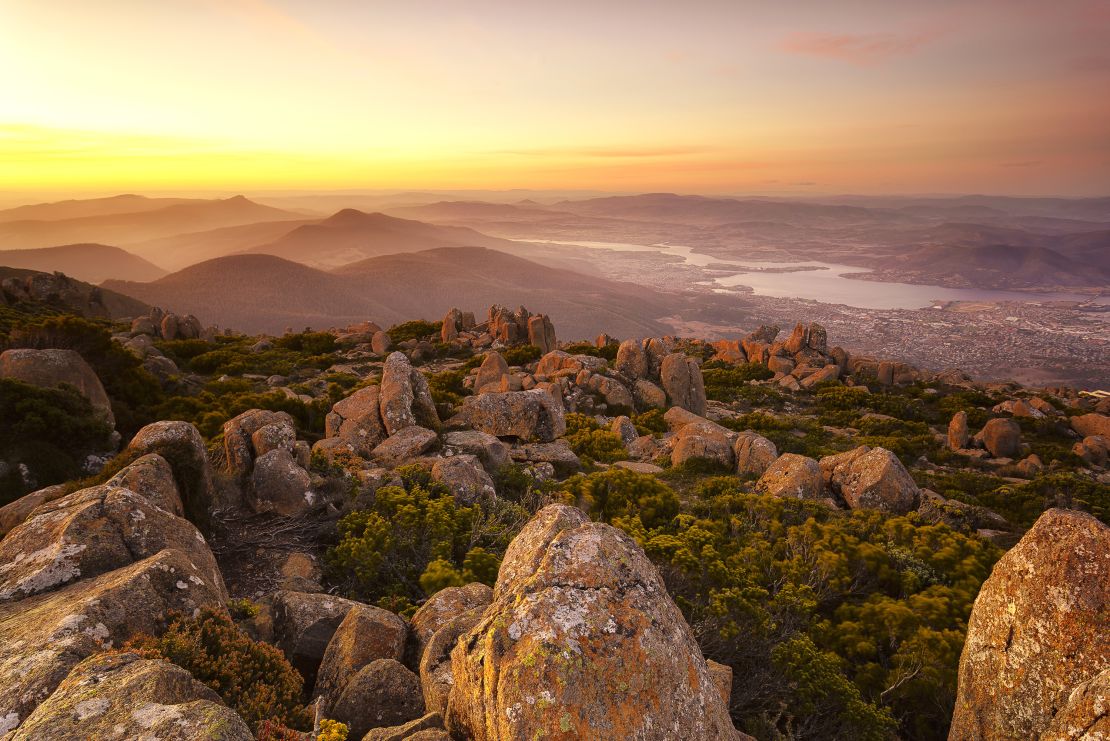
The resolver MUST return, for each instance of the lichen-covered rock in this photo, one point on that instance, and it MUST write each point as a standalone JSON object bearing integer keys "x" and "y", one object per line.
{"x": 622, "y": 426}
{"x": 51, "y": 368}
{"x": 440, "y": 608}
{"x": 703, "y": 441}
{"x": 402, "y": 447}
{"x": 366, "y": 634}
{"x": 582, "y": 640}
{"x": 1095, "y": 449}
{"x": 1038, "y": 630}
{"x": 632, "y": 360}
{"x": 681, "y": 378}
{"x": 754, "y": 453}
{"x": 1086, "y": 717}
{"x": 1001, "y": 437}
{"x": 493, "y": 454}
{"x": 304, "y": 625}
{"x": 615, "y": 394}
{"x": 526, "y": 415}
{"x": 436, "y": 677}
{"x": 152, "y": 477}
{"x": 829, "y": 372}
{"x": 871, "y": 478}
{"x": 123, "y": 696}
{"x": 238, "y": 437}
{"x": 13, "y": 513}
{"x": 182, "y": 446}
{"x": 404, "y": 398}
{"x": 92, "y": 532}
{"x": 958, "y": 434}
{"x": 382, "y": 693}
{"x": 464, "y": 476}
{"x": 721, "y": 674}
{"x": 491, "y": 370}
{"x": 792, "y": 475}
{"x": 281, "y": 486}
{"x": 428, "y": 727}
{"x": 557, "y": 453}
{"x": 357, "y": 420}
{"x": 647, "y": 395}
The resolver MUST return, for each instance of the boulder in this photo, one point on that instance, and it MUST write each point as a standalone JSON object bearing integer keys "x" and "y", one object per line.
{"x": 151, "y": 477}
{"x": 1030, "y": 466}
{"x": 541, "y": 333}
{"x": 754, "y": 453}
{"x": 1038, "y": 632}
{"x": 239, "y": 437}
{"x": 182, "y": 446}
{"x": 557, "y": 360}
{"x": 829, "y": 372}
{"x": 681, "y": 378}
{"x": 615, "y": 394}
{"x": 558, "y": 453}
{"x": 792, "y": 475}
{"x": 622, "y": 426}
{"x": 721, "y": 674}
{"x": 958, "y": 434}
{"x": 703, "y": 442}
{"x": 465, "y": 477}
{"x": 272, "y": 437}
{"x": 366, "y": 634}
{"x": 442, "y": 607}
{"x": 436, "y": 677}
{"x": 357, "y": 420}
{"x": 491, "y": 370}
{"x": 52, "y": 368}
{"x": 1001, "y": 437}
{"x": 648, "y": 396}
{"x": 381, "y": 342}
{"x": 493, "y": 453}
{"x": 450, "y": 328}
{"x": 526, "y": 415}
{"x": 382, "y": 693}
{"x": 123, "y": 696}
{"x": 404, "y": 397}
{"x": 281, "y": 486}
{"x": 871, "y": 478}
{"x": 406, "y": 444}
{"x": 1094, "y": 449}
{"x": 632, "y": 360}
{"x": 1085, "y": 712}
{"x": 13, "y": 513}
{"x": 304, "y": 625}
{"x": 1091, "y": 424}
{"x": 582, "y": 636}
{"x": 428, "y": 727}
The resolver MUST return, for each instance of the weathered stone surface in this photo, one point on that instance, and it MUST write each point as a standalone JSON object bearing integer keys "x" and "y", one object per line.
{"x": 52, "y": 368}
{"x": 491, "y": 370}
{"x": 382, "y": 693}
{"x": 871, "y": 478}
{"x": 615, "y": 394}
{"x": 357, "y": 420}
{"x": 722, "y": 678}
{"x": 404, "y": 397}
{"x": 1091, "y": 424}
{"x": 304, "y": 625}
{"x": 13, "y": 513}
{"x": 583, "y": 637}
{"x": 238, "y": 437}
{"x": 450, "y": 328}
{"x": 527, "y": 415}
{"x": 703, "y": 441}
{"x": 441, "y": 607}
{"x": 1001, "y": 437}
{"x": 681, "y": 378}
{"x": 558, "y": 453}
{"x": 151, "y": 477}
{"x": 541, "y": 333}
{"x": 1086, "y": 716}
{"x": 123, "y": 696}
{"x": 1094, "y": 449}
{"x": 406, "y": 444}
{"x": 557, "y": 360}
{"x": 92, "y": 532}
{"x": 493, "y": 453}
{"x": 648, "y": 396}
{"x": 182, "y": 446}
{"x": 465, "y": 477}
{"x": 639, "y": 466}
{"x": 623, "y": 427}
{"x": 958, "y": 434}
{"x": 366, "y": 634}
{"x": 281, "y": 486}
{"x": 632, "y": 361}
{"x": 829, "y": 372}
{"x": 1038, "y": 630}
{"x": 436, "y": 677}
{"x": 428, "y": 727}
{"x": 754, "y": 453}
{"x": 792, "y": 475}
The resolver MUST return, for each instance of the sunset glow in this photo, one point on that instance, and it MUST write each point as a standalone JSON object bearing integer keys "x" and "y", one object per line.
{"x": 704, "y": 96}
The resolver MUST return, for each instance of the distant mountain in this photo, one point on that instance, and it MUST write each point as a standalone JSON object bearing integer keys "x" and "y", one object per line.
{"x": 182, "y": 250}
{"x": 350, "y": 235}
{"x": 264, "y": 293}
{"x": 130, "y": 227}
{"x": 76, "y": 209}
{"x": 94, "y": 263}
{"x": 997, "y": 266}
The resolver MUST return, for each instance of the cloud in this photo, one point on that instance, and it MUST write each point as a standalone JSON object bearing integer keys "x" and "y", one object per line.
{"x": 859, "y": 49}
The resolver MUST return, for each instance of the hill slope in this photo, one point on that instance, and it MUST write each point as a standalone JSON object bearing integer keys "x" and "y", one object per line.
{"x": 265, "y": 293}
{"x": 94, "y": 263}
{"x": 998, "y": 266}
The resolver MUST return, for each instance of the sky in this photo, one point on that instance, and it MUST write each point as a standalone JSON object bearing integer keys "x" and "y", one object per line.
{"x": 698, "y": 96}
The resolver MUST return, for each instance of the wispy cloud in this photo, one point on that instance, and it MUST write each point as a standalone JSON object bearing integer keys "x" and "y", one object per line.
{"x": 861, "y": 49}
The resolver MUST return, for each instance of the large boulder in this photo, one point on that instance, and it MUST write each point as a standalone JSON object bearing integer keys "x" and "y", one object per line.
{"x": 366, "y": 634}
{"x": 405, "y": 399}
{"x": 1037, "y": 632}
{"x": 382, "y": 693}
{"x": 632, "y": 360}
{"x": 182, "y": 446}
{"x": 465, "y": 477}
{"x": 52, "y": 368}
{"x": 681, "y": 378}
{"x": 304, "y": 625}
{"x": 442, "y": 607}
{"x": 958, "y": 434}
{"x": 406, "y": 444}
{"x": 703, "y": 441}
{"x": 526, "y": 415}
{"x": 436, "y": 677}
{"x": 280, "y": 485}
{"x": 541, "y": 333}
{"x": 1091, "y": 424}
{"x": 493, "y": 453}
{"x": 123, "y": 696}
{"x": 581, "y": 637}
{"x": 490, "y": 371}
{"x": 357, "y": 420}
{"x": 1001, "y": 437}
{"x": 151, "y": 476}
{"x": 239, "y": 432}
{"x": 794, "y": 476}
{"x": 557, "y": 453}
{"x": 754, "y": 453}
{"x": 13, "y": 513}
{"x": 871, "y": 478}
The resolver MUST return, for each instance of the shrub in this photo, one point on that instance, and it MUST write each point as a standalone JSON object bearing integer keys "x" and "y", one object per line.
{"x": 308, "y": 343}
{"x": 609, "y": 352}
{"x": 252, "y": 677}
{"x": 724, "y": 383}
{"x": 619, "y": 494}
{"x": 447, "y": 389}
{"x": 418, "y": 329}
{"x": 521, "y": 354}
{"x": 650, "y": 422}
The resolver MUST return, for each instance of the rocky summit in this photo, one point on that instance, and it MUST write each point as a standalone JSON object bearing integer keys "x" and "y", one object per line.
{"x": 476, "y": 528}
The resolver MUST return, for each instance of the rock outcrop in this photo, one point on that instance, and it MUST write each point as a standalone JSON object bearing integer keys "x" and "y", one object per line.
{"x": 1038, "y": 633}
{"x": 871, "y": 478}
{"x": 680, "y": 376}
{"x": 357, "y": 421}
{"x": 581, "y": 639}
{"x": 792, "y": 475}
{"x": 404, "y": 398}
{"x": 1001, "y": 437}
{"x": 525, "y": 415}
{"x": 52, "y": 368}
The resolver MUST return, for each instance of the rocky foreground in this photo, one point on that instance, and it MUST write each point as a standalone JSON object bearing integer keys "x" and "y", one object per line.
{"x": 575, "y": 633}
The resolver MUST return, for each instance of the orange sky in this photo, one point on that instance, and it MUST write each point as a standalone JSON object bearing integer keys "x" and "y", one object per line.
{"x": 712, "y": 96}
